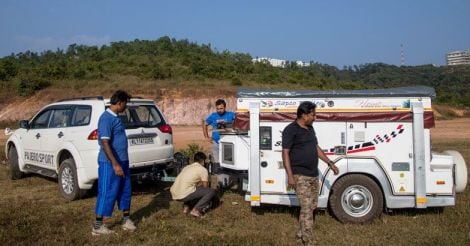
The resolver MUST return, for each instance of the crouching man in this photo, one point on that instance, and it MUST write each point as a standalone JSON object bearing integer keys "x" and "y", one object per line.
{"x": 192, "y": 187}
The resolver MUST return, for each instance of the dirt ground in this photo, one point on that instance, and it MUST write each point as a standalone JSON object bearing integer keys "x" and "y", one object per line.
{"x": 445, "y": 130}
{"x": 448, "y": 130}
{"x": 184, "y": 135}
{"x": 29, "y": 206}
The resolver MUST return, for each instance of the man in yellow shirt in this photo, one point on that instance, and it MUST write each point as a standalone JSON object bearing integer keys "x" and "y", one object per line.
{"x": 192, "y": 186}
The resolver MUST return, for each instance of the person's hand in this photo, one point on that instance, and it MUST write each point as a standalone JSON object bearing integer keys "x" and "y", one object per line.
{"x": 209, "y": 140}
{"x": 335, "y": 169}
{"x": 291, "y": 182}
{"x": 118, "y": 170}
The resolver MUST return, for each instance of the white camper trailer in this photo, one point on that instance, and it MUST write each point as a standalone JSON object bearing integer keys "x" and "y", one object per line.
{"x": 379, "y": 139}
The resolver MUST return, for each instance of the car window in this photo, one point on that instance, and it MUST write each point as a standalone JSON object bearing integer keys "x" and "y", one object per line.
{"x": 41, "y": 120}
{"x": 141, "y": 116}
{"x": 60, "y": 118}
{"x": 81, "y": 116}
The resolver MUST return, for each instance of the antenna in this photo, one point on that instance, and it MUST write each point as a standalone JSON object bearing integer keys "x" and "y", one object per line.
{"x": 402, "y": 55}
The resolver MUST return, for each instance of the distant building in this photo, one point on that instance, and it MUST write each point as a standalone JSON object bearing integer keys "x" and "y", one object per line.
{"x": 273, "y": 62}
{"x": 278, "y": 62}
{"x": 458, "y": 58}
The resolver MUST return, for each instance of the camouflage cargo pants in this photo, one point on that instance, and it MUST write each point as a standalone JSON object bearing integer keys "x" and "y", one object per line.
{"x": 307, "y": 189}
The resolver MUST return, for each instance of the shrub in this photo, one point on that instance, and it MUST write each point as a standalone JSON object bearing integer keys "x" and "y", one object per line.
{"x": 191, "y": 150}
{"x": 236, "y": 82}
{"x": 27, "y": 86}
{"x": 446, "y": 112}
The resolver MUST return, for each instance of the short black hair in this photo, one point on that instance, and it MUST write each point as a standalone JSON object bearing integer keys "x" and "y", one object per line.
{"x": 120, "y": 96}
{"x": 305, "y": 108}
{"x": 199, "y": 156}
{"x": 219, "y": 102}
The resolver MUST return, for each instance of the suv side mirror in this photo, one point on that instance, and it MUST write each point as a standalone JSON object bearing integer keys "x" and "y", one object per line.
{"x": 24, "y": 124}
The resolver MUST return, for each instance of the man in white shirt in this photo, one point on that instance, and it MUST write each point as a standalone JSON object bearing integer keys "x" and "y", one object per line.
{"x": 192, "y": 186}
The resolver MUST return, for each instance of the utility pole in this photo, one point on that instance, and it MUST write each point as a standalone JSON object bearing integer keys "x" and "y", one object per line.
{"x": 402, "y": 55}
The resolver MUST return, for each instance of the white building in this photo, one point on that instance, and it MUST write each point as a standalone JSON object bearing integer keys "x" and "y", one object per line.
{"x": 273, "y": 62}
{"x": 458, "y": 58}
{"x": 278, "y": 62}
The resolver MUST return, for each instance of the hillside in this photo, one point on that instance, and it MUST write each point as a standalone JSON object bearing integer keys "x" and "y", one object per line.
{"x": 183, "y": 106}
{"x": 156, "y": 66}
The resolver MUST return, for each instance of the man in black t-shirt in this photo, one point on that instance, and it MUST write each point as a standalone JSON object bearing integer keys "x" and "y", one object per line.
{"x": 300, "y": 153}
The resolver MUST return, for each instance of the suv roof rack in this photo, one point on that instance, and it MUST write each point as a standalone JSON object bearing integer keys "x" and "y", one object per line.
{"x": 82, "y": 98}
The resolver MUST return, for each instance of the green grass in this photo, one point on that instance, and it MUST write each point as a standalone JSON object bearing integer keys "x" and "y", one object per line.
{"x": 32, "y": 212}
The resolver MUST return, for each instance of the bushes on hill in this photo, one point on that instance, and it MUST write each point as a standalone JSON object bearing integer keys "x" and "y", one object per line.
{"x": 168, "y": 58}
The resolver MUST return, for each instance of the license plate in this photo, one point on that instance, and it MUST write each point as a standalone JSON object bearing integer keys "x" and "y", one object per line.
{"x": 141, "y": 141}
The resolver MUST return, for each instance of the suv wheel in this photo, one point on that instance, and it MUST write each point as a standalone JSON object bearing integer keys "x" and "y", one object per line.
{"x": 15, "y": 172}
{"x": 68, "y": 181}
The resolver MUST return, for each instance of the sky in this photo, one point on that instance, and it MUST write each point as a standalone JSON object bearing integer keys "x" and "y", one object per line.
{"x": 333, "y": 32}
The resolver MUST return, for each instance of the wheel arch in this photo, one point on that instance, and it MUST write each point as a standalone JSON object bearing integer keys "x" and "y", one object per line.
{"x": 13, "y": 142}
{"x": 63, "y": 154}
{"x": 372, "y": 177}
{"x": 8, "y": 147}
{"x": 68, "y": 150}
{"x": 369, "y": 167}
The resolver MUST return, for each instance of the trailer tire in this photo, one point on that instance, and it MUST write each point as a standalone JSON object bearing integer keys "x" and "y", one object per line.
{"x": 68, "y": 181}
{"x": 356, "y": 198}
{"x": 14, "y": 172}
{"x": 460, "y": 170}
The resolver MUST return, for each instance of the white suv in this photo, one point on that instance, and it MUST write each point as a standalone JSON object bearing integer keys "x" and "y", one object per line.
{"x": 60, "y": 141}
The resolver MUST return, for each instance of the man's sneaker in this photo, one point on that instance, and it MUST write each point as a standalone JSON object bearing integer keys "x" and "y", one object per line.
{"x": 128, "y": 225}
{"x": 102, "y": 230}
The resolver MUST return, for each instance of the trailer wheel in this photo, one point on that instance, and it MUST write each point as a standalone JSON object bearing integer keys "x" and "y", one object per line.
{"x": 356, "y": 198}
{"x": 68, "y": 181}
{"x": 15, "y": 172}
{"x": 460, "y": 172}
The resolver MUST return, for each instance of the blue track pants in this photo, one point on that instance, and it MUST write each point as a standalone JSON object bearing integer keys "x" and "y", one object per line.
{"x": 112, "y": 189}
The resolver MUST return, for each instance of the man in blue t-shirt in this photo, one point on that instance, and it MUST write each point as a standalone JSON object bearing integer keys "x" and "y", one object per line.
{"x": 218, "y": 120}
{"x": 114, "y": 181}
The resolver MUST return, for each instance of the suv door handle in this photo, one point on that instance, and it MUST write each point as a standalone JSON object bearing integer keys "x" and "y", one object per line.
{"x": 38, "y": 135}
{"x": 60, "y": 134}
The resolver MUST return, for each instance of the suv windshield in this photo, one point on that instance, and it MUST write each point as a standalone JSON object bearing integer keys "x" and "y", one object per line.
{"x": 141, "y": 116}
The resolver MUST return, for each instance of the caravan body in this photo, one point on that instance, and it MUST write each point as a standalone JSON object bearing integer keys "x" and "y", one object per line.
{"x": 379, "y": 139}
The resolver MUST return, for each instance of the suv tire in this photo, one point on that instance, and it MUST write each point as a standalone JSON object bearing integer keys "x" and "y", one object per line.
{"x": 68, "y": 181}
{"x": 14, "y": 172}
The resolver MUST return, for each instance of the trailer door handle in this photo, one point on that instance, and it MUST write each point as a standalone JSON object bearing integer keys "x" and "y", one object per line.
{"x": 264, "y": 164}
{"x": 38, "y": 135}
{"x": 60, "y": 134}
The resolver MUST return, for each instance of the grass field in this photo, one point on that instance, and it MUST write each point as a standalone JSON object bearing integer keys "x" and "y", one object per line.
{"x": 33, "y": 213}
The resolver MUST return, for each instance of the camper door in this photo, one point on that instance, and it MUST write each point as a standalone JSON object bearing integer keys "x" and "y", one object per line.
{"x": 331, "y": 137}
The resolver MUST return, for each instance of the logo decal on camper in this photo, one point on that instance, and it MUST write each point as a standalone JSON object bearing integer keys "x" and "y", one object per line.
{"x": 266, "y": 104}
{"x": 368, "y": 146}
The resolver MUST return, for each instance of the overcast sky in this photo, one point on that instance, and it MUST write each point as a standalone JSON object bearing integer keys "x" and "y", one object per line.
{"x": 332, "y": 32}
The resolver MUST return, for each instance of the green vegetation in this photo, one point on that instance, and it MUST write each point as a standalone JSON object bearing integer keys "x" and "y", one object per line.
{"x": 181, "y": 60}
{"x": 191, "y": 150}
